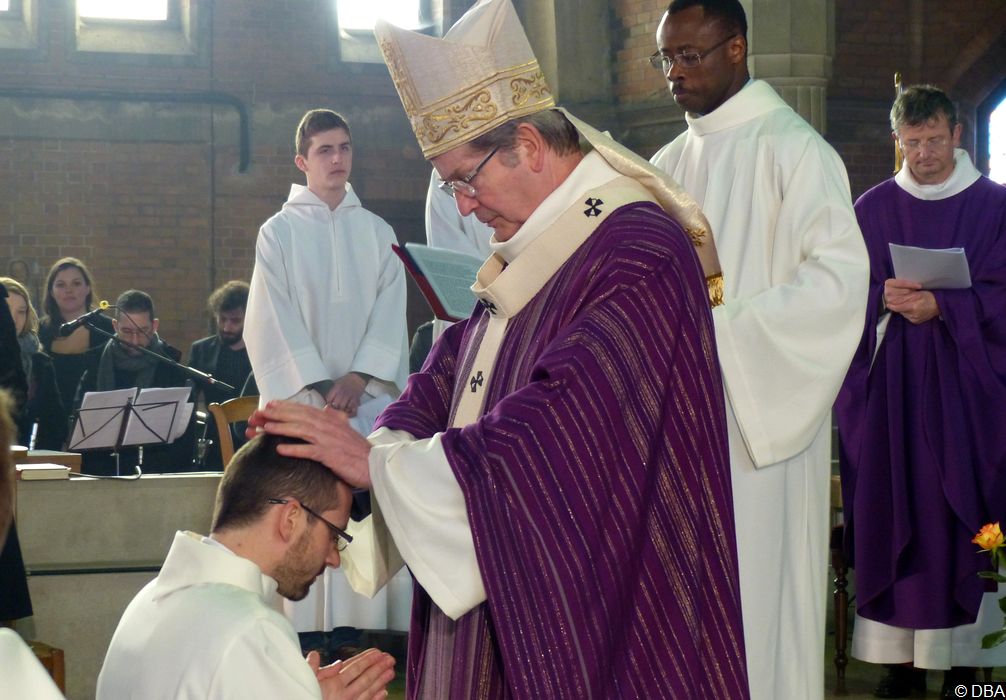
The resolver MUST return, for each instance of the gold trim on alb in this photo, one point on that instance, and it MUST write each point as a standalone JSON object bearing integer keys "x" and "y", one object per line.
{"x": 696, "y": 234}
{"x": 714, "y": 283}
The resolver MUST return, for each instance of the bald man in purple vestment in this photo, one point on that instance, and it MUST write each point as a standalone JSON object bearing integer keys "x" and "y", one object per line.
{"x": 922, "y": 413}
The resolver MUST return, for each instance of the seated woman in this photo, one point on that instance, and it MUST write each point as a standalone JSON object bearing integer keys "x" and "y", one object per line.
{"x": 69, "y": 293}
{"x": 43, "y": 406}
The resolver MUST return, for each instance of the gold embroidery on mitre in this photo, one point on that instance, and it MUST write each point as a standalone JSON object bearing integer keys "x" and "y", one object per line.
{"x": 697, "y": 235}
{"x": 431, "y": 128}
{"x": 399, "y": 75}
{"x": 714, "y": 283}
{"x": 479, "y": 108}
{"x": 524, "y": 88}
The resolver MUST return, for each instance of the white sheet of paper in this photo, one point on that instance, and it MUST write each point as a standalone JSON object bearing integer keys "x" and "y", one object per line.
{"x": 154, "y": 417}
{"x": 933, "y": 268}
{"x": 99, "y": 419}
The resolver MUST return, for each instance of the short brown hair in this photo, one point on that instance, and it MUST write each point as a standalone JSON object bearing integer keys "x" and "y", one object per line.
{"x": 230, "y": 296}
{"x": 315, "y": 122}
{"x": 134, "y": 301}
{"x": 257, "y": 472}
{"x": 919, "y": 104}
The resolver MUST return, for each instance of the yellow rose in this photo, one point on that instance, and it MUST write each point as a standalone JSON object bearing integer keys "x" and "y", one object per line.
{"x": 990, "y": 537}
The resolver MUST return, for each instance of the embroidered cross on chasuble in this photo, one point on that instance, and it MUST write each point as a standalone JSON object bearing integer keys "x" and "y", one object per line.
{"x": 503, "y": 290}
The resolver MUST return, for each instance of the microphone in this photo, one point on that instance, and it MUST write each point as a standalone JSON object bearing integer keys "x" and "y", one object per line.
{"x": 70, "y": 326}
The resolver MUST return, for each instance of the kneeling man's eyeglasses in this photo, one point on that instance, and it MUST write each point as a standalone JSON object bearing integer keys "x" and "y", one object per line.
{"x": 340, "y": 538}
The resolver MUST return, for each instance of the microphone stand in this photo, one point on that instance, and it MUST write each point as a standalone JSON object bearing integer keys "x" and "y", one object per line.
{"x": 199, "y": 375}
{"x": 191, "y": 371}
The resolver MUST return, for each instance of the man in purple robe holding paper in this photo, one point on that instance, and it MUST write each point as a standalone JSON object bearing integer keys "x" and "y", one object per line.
{"x": 922, "y": 413}
{"x": 556, "y": 476}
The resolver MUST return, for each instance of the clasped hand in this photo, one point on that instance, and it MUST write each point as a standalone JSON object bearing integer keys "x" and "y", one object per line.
{"x": 910, "y": 300}
{"x": 346, "y": 392}
{"x": 360, "y": 678}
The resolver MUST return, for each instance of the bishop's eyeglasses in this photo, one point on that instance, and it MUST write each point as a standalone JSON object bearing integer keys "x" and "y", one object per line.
{"x": 686, "y": 59}
{"x": 452, "y": 187}
{"x": 340, "y": 538}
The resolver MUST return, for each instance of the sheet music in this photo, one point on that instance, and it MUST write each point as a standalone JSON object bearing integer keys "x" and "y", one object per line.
{"x": 99, "y": 419}
{"x": 933, "y": 268}
{"x": 158, "y": 415}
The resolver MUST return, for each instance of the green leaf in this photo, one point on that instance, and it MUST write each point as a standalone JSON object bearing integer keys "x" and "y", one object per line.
{"x": 994, "y": 639}
{"x": 992, "y": 575}
{"x": 1002, "y": 606}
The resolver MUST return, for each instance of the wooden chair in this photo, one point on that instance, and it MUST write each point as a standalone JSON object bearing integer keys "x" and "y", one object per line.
{"x": 225, "y": 415}
{"x": 52, "y": 659}
{"x": 23, "y": 674}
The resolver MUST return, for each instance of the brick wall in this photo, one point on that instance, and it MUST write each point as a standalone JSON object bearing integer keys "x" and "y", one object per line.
{"x": 149, "y": 194}
{"x": 636, "y": 26}
{"x": 958, "y": 46}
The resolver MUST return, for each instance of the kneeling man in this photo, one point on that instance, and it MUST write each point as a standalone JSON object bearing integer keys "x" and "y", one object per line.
{"x": 207, "y": 626}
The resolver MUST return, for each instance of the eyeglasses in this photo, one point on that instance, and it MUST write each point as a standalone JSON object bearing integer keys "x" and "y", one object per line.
{"x": 452, "y": 187}
{"x": 340, "y": 538}
{"x": 936, "y": 143}
{"x": 686, "y": 59}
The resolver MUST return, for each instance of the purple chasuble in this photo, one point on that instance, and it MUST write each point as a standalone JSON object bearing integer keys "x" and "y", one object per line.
{"x": 597, "y": 486}
{"x": 923, "y": 433}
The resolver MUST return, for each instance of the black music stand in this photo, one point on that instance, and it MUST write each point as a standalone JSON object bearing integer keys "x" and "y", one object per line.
{"x": 111, "y": 420}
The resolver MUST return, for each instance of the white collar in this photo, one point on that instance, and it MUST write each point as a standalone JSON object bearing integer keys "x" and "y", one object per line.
{"x": 591, "y": 172}
{"x": 194, "y": 559}
{"x": 300, "y": 194}
{"x": 963, "y": 176}
{"x": 753, "y": 100}
{"x": 217, "y": 543}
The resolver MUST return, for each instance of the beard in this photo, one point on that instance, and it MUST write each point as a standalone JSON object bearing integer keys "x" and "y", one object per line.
{"x": 295, "y": 574}
{"x": 230, "y": 338}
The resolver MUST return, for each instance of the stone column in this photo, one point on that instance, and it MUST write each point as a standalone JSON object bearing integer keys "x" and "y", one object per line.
{"x": 790, "y": 45}
{"x": 572, "y": 40}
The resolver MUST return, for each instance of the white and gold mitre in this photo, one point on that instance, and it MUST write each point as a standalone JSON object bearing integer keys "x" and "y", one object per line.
{"x": 483, "y": 74}
{"x": 480, "y": 75}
